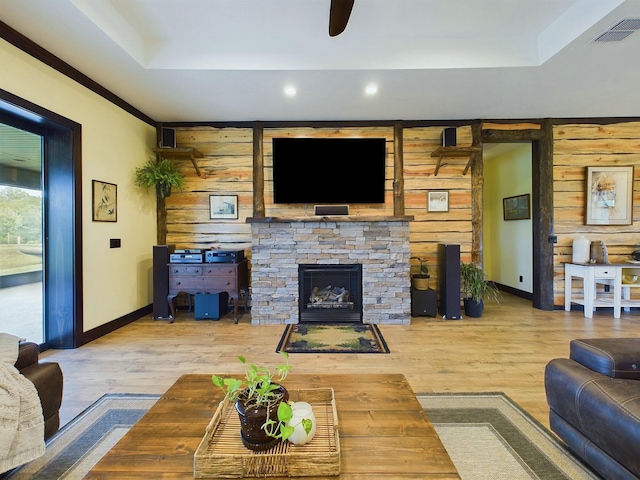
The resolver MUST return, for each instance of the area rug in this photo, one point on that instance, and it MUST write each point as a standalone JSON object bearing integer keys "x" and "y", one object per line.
{"x": 332, "y": 338}
{"x": 81, "y": 443}
{"x": 486, "y": 435}
{"x": 489, "y": 437}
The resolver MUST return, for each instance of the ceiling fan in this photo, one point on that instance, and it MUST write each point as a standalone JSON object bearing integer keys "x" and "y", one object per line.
{"x": 339, "y": 16}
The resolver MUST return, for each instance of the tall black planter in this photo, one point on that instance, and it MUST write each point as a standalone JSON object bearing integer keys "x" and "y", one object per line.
{"x": 472, "y": 308}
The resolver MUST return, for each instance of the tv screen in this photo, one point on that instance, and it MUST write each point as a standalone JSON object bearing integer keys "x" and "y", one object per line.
{"x": 329, "y": 170}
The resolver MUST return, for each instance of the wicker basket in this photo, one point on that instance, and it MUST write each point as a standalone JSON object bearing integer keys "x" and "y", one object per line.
{"x": 222, "y": 455}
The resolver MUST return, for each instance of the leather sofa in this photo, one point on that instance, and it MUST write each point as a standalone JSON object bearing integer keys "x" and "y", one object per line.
{"x": 48, "y": 380}
{"x": 594, "y": 401}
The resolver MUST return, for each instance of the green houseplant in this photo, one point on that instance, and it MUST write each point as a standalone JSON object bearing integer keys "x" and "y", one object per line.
{"x": 162, "y": 174}
{"x": 476, "y": 288}
{"x": 420, "y": 280}
{"x": 261, "y": 404}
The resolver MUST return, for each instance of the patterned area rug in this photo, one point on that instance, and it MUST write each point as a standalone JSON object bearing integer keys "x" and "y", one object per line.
{"x": 334, "y": 338}
{"x": 489, "y": 437}
{"x": 78, "y": 446}
{"x": 486, "y": 434}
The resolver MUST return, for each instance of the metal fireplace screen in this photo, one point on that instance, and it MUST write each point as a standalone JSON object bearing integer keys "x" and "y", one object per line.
{"x": 330, "y": 293}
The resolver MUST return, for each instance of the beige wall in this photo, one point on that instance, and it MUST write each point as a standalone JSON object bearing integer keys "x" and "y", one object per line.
{"x": 116, "y": 281}
{"x": 508, "y": 244}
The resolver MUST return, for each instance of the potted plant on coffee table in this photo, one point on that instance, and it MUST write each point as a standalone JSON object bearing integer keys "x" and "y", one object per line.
{"x": 420, "y": 280}
{"x": 261, "y": 404}
{"x": 162, "y": 174}
{"x": 476, "y": 288}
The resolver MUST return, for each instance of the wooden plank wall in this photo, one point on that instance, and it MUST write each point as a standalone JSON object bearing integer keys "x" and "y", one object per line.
{"x": 431, "y": 228}
{"x": 576, "y": 147}
{"x": 228, "y": 165}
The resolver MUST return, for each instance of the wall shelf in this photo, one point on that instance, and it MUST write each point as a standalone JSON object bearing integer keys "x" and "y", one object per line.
{"x": 182, "y": 153}
{"x": 443, "y": 152}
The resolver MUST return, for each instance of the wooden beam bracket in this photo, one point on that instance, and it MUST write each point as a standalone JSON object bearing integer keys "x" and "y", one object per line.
{"x": 443, "y": 152}
{"x": 181, "y": 153}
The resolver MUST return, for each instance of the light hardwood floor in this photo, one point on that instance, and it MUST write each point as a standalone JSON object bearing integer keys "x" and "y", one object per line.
{"x": 504, "y": 351}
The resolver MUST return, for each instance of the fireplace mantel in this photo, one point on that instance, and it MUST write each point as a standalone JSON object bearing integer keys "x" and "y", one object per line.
{"x": 335, "y": 218}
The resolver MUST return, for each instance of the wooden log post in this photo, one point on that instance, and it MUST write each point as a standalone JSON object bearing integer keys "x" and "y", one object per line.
{"x": 161, "y": 204}
{"x": 398, "y": 170}
{"x": 542, "y": 189}
{"x": 258, "y": 170}
{"x": 477, "y": 184}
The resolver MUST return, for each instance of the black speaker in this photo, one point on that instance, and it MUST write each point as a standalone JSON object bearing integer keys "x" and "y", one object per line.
{"x": 449, "y": 279}
{"x": 168, "y": 138}
{"x": 424, "y": 303}
{"x": 211, "y": 306}
{"x": 449, "y": 137}
{"x": 160, "y": 262}
{"x": 331, "y": 209}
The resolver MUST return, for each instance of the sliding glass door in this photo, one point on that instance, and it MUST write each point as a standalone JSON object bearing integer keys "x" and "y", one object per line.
{"x": 21, "y": 234}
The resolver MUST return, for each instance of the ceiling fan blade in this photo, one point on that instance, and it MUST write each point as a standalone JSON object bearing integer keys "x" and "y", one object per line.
{"x": 339, "y": 16}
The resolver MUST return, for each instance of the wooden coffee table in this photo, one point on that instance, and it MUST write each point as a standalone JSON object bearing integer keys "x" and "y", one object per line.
{"x": 384, "y": 432}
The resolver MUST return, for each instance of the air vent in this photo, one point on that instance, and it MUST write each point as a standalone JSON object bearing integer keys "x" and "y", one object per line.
{"x": 619, "y": 31}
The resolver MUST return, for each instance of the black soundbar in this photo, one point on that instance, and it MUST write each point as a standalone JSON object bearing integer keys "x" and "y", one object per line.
{"x": 331, "y": 209}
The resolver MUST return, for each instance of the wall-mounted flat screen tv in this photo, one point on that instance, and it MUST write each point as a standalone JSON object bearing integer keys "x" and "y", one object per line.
{"x": 329, "y": 170}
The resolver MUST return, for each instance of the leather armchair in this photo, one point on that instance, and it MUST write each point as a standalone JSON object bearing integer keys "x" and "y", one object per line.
{"x": 594, "y": 401}
{"x": 48, "y": 380}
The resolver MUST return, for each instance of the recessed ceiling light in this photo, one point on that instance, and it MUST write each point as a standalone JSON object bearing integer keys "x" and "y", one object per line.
{"x": 290, "y": 91}
{"x": 371, "y": 89}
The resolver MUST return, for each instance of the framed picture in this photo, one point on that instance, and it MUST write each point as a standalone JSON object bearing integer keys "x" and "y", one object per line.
{"x": 438, "y": 201}
{"x": 104, "y": 201}
{"x": 223, "y": 206}
{"x": 517, "y": 208}
{"x": 609, "y": 195}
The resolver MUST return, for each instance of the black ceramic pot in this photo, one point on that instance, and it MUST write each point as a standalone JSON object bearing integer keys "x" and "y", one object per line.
{"x": 163, "y": 191}
{"x": 252, "y": 419}
{"x": 472, "y": 308}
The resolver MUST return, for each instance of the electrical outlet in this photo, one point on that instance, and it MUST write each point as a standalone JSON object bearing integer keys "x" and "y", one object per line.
{"x": 520, "y": 278}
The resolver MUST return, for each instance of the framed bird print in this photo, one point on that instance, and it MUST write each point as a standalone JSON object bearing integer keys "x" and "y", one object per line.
{"x": 105, "y": 201}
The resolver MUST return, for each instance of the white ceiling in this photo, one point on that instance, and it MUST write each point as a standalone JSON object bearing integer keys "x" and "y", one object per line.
{"x": 229, "y": 60}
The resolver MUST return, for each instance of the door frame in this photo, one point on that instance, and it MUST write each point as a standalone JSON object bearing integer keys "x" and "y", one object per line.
{"x": 541, "y": 201}
{"x": 62, "y": 232}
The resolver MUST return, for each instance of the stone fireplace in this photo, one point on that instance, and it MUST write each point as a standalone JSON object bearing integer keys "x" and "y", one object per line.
{"x": 378, "y": 246}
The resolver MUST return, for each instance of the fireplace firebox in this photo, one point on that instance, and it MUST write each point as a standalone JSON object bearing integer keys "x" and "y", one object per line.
{"x": 330, "y": 293}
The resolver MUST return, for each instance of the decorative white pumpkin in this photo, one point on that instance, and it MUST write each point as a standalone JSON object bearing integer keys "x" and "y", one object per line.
{"x": 302, "y": 414}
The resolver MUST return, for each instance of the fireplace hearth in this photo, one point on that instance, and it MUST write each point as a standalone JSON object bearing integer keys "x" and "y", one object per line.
{"x": 330, "y": 293}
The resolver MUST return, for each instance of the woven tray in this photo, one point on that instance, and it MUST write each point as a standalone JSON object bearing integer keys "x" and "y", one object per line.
{"x": 221, "y": 453}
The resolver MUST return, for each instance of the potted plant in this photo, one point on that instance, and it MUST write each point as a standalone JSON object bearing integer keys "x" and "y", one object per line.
{"x": 475, "y": 288}
{"x": 420, "y": 280}
{"x": 161, "y": 174}
{"x": 261, "y": 404}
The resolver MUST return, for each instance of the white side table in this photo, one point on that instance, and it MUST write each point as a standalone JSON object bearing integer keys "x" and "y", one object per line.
{"x": 592, "y": 274}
